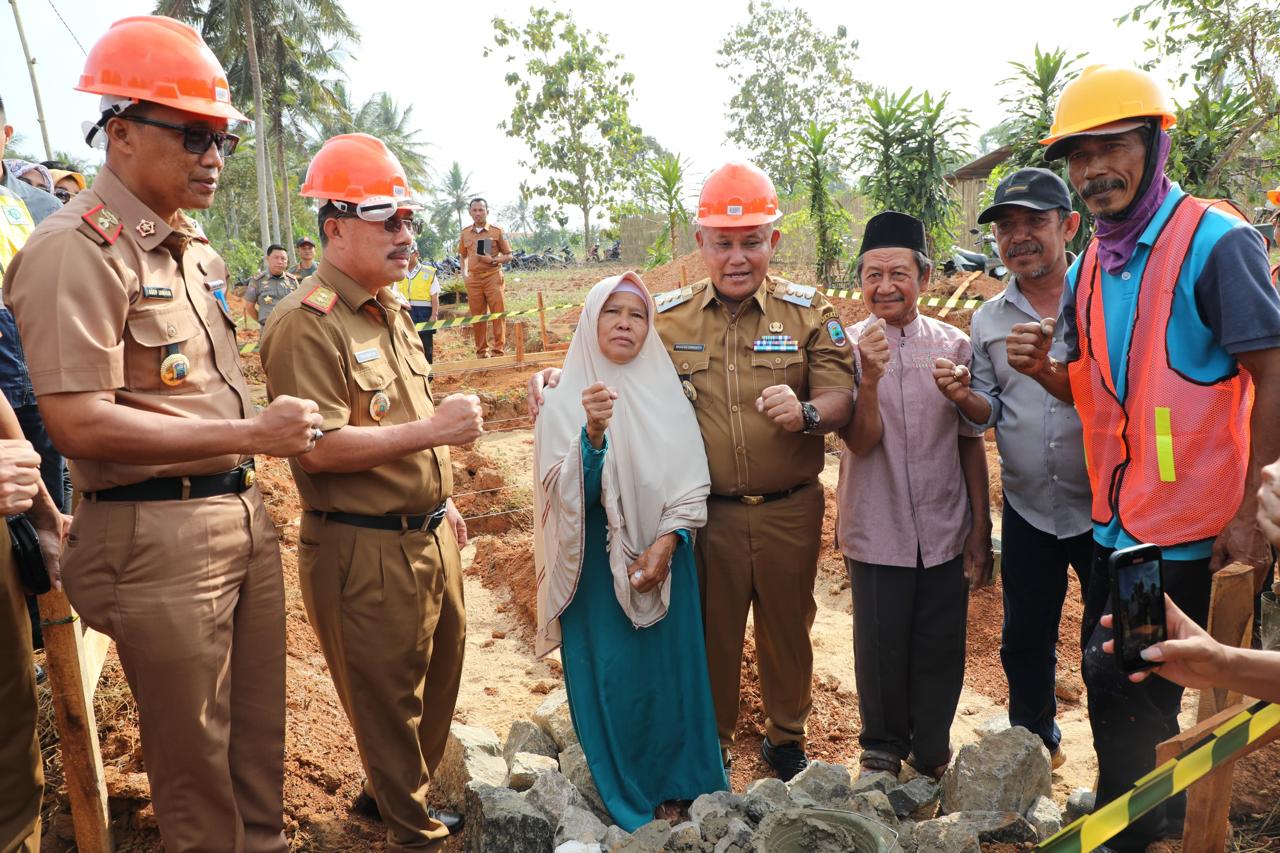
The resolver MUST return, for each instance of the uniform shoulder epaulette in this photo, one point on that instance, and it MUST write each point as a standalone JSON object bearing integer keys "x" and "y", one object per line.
{"x": 101, "y": 224}
{"x": 671, "y": 298}
{"x": 797, "y": 294}
{"x": 321, "y": 299}
{"x": 288, "y": 274}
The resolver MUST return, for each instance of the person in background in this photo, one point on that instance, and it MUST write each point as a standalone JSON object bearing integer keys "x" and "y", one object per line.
{"x": 67, "y": 183}
{"x": 914, "y": 520}
{"x": 306, "y": 264}
{"x": 483, "y": 249}
{"x": 421, "y": 288}
{"x": 269, "y": 287}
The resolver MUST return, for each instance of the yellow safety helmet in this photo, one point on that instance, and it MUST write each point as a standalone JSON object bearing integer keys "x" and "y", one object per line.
{"x": 1106, "y": 99}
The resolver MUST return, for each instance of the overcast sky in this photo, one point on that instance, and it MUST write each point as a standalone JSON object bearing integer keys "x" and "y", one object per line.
{"x": 430, "y": 55}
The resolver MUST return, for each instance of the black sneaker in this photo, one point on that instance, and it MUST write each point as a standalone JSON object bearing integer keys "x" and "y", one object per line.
{"x": 787, "y": 760}
{"x": 367, "y": 806}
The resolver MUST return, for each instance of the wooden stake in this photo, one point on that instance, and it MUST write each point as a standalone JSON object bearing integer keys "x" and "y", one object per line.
{"x": 1230, "y": 623}
{"x": 77, "y": 728}
{"x": 684, "y": 276}
{"x": 542, "y": 322}
{"x": 519, "y": 335}
{"x": 955, "y": 297}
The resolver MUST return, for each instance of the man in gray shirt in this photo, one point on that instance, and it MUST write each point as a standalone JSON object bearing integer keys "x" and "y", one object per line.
{"x": 1046, "y": 523}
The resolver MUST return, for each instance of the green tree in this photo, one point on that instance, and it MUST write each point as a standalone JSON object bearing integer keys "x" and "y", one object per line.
{"x": 1224, "y": 46}
{"x": 1031, "y": 94}
{"x": 571, "y": 110}
{"x": 664, "y": 188}
{"x": 453, "y": 194}
{"x": 906, "y": 146}
{"x": 826, "y": 216}
{"x": 786, "y": 72}
{"x": 1209, "y": 124}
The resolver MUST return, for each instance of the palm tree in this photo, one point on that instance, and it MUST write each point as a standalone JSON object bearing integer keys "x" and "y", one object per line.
{"x": 454, "y": 192}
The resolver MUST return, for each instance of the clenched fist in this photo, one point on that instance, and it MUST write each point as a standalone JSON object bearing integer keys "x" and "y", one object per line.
{"x": 873, "y": 350}
{"x": 782, "y": 406}
{"x": 952, "y": 379}
{"x": 19, "y": 475}
{"x": 458, "y": 420}
{"x": 285, "y": 427}
{"x": 1269, "y": 503}
{"x": 1028, "y": 345}
{"x": 597, "y": 401}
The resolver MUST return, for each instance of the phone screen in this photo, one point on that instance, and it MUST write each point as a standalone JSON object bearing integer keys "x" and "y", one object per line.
{"x": 1138, "y": 605}
{"x": 482, "y": 246}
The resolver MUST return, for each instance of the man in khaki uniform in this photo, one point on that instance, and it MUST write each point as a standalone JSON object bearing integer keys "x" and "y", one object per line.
{"x": 134, "y": 362}
{"x": 748, "y": 349}
{"x": 378, "y": 554}
{"x": 483, "y": 249}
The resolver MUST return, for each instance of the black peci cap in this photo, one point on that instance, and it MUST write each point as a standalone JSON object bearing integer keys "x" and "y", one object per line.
{"x": 893, "y": 230}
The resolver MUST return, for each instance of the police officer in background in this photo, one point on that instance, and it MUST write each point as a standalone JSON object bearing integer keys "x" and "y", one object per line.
{"x": 133, "y": 358}
{"x": 271, "y": 285}
{"x": 767, "y": 368}
{"x": 306, "y": 265}
{"x": 422, "y": 290}
{"x": 378, "y": 549}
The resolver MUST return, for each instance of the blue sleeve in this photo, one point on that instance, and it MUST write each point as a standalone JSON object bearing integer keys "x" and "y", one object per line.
{"x": 1070, "y": 336}
{"x": 592, "y": 466}
{"x": 1234, "y": 294}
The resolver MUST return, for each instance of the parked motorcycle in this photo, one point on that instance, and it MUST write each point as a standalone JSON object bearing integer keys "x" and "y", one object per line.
{"x": 986, "y": 261}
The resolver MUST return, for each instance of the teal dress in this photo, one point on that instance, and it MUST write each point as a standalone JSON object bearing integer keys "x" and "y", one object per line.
{"x": 640, "y": 698}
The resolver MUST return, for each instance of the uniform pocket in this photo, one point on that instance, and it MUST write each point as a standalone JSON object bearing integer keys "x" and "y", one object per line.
{"x": 695, "y": 378}
{"x": 375, "y": 401}
{"x": 780, "y": 368}
{"x": 150, "y": 333}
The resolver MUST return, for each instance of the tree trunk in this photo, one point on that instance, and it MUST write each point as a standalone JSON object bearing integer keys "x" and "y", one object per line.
{"x": 284, "y": 184}
{"x": 260, "y": 142}
{"x": 586, "y": 224}
{"x": 274, "y": 203}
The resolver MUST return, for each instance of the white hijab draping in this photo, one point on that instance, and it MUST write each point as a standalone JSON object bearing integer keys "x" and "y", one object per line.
{"x": 655, "y": 478}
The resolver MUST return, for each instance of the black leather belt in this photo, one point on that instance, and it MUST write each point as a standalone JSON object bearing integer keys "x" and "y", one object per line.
{"x": 231, "y": 482}
{"x": 427, "y": 523}
{"x": 756, "y": 500}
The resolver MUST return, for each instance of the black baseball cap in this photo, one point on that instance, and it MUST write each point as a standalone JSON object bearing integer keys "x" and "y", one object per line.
{"x": 305, "y": 241}
{"x": 1037, "y": 189}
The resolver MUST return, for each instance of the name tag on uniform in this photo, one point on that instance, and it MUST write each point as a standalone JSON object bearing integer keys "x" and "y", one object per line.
{"x": 688, "y": 347}
{"x": 157, "y": 292}
{"x": 366, "y": 355}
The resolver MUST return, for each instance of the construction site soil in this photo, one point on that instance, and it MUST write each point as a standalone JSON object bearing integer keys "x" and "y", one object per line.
{"x": 503, "y": 682}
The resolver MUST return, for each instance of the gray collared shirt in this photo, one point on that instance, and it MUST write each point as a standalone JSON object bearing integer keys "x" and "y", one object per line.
{"x": 1041, "y": 447}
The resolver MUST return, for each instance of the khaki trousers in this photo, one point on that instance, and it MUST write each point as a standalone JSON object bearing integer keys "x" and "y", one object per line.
{"x": 21, "y": 775}
{"x": 765, "y": 558}
{"x": 388, "y": 610}
{"x": 191, "y": 591}
{"x": 486, "y": 297}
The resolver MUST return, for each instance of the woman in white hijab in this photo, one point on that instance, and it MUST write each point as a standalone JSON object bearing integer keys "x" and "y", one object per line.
{"x": 622, "y": 486}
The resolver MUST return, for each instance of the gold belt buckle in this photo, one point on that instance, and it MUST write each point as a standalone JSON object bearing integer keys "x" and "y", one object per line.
{"x": 752, "y": 500}
{"x": 248, "y": 477}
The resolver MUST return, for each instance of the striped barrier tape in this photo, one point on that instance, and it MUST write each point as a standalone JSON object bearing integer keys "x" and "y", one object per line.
{"x": 1166, "y": 780}
{"x": 470, "y": 320}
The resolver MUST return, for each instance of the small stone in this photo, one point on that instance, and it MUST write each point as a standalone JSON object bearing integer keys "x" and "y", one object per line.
{"x": 579, "y": 847}
{"x": 685, "y": 838}
{"x": 737, "y": 839}
{"x": 992, "y": 725}
{"x": 573, "y": 764}
{"x": 614, "y": 837}
{"x": 650, "y": 838}
{"x": 500, "y": 821}
{"x": 1045, "y": 817}
{"x": 525, "y": 768}
{"x": 878, "y": 780}
{"x": 499, "y": 635}
{"x": 821, "y": 784}
{"x": 918, "y": 799}
{"x": 1079, "y": 804}
{"x": 552, "y": 793}
{"x": 578, "y": 824}
{"x": 712, "y": 813}
{"x": 554, "y": 718}
{"x": 765, "y": 796}
{"x": 528, "y": 736}
{"x": 937, "y": 836}
{"x": 993, "y": 827}
{"x": 471, "y": 754}
{"x": 1005, "y": 772}
{"x": 875, "y": 805}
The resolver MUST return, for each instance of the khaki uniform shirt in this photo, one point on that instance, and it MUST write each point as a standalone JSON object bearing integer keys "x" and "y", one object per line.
{"x": 267, "y": 291}
{"x": 103, "y": 291}
{"x": 477, "y": 271}
{"x": 335, "y": 343}
{"x": 717, "y": 360}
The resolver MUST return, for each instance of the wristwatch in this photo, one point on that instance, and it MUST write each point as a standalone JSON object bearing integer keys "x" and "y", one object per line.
{"x": 811, "y": 417}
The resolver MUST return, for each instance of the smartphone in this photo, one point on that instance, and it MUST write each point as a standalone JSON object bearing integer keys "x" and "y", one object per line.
{"x": 1137, "y": 603}
{"x": 482, "y": 246}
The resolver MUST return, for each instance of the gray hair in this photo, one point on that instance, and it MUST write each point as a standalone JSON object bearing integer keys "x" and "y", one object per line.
{"x": 923, "y": 262}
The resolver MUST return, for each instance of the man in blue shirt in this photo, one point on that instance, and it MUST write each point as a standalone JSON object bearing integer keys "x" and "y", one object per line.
{"x": 1204, "y": 322}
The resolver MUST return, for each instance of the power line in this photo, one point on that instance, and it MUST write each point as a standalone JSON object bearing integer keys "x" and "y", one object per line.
{"x": 68, "y": 28}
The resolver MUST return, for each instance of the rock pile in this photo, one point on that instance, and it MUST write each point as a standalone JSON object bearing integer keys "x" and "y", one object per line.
{"x": 535, "y": 794}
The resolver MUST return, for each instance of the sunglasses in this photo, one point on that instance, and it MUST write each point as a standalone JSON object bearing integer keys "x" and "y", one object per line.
{"x": 62, "y": 195}
{"x": 195, "y": 139}
{"x": 380, "y": 209}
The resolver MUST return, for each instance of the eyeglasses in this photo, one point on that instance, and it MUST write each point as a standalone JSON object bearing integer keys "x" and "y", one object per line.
{"x": 195, "y": 139}
{"x": 381, "y": 209}
{"x": 392, "y": 225}
{"x": 62, "y": 195}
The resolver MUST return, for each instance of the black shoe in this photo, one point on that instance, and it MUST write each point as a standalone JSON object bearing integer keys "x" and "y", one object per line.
{"x": 786, "y": 760}
{"x": 367, "y": 806}
{"x": 452, "y": 820}
{"x": 41, "y": 675}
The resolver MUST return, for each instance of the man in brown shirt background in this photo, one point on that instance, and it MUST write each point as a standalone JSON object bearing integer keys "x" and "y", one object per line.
{"x": 134, "y": 362}
{"x": 378, "y": 557}
{"x": 482, "y": 250}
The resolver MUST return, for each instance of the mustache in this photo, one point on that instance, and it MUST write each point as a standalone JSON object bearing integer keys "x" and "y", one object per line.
{"x": 399, "y": 253}
{"x": 1101, "y": 185}
{"x": 1031, "y": 247}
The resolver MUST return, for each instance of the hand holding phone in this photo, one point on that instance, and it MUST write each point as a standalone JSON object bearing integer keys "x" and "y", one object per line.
{"x": 1137, "y": 604}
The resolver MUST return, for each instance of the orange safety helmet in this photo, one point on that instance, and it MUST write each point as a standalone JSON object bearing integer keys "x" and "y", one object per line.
{"x": 1273, "y": 196}
{"x": 157, "y": 59}
{"x": 737, "y": 195}
{"x": 1099, "y": 101}
{"x": 356, "y": 167}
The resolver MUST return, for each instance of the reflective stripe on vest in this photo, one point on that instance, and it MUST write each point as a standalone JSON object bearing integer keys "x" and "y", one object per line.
{"x": 1170, "y": 459}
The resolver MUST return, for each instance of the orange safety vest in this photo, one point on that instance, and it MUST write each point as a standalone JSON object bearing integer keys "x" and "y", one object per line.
{"x": 1170, "y": 459}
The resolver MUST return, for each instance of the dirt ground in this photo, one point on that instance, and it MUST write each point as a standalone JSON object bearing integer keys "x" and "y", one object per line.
{"x": 503, "y": 682}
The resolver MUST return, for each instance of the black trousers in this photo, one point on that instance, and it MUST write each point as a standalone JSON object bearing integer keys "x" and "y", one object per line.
{"x": 1128, "y": 719}
{"x": 1033, "y": 584}
{"x": 908, "y": 646}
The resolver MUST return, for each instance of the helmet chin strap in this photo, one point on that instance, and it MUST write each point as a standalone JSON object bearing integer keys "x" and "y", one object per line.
{"x": 110, "y": 106}
{"x": 1148, "y": 170}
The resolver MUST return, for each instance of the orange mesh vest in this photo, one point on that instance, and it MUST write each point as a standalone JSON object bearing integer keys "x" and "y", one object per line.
{"x": 1170, "y": 458}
